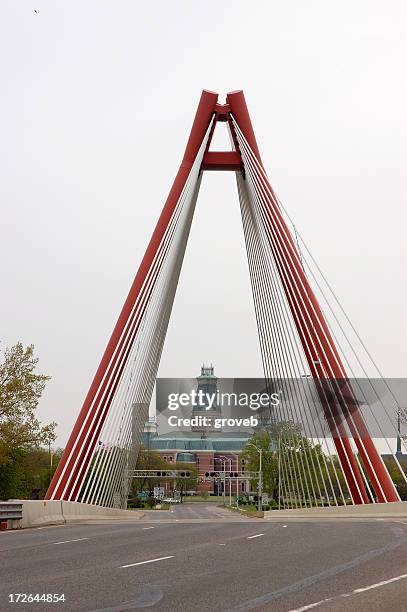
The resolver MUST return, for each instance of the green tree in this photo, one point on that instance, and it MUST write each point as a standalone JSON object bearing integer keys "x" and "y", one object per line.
{"x": 20, "y": 430}
{"x": 37, "y": 470}
{"x": 150, "y": 460}
{"x": 396, "y": 475}
{"x": 147, "y": 459}
{"x": 11, "y": 475}
{"x": 264, "y": 441}
{"x": 27, "y": 473}
{"x": 184, "y": 484}
{"x": 293, "y": 466}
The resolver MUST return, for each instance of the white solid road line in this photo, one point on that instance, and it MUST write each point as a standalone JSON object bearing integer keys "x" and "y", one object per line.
{"x": 149, "y": 561}
{"x": 68, "y": 541}
{"x": 379, "y": 584}
{"x": 354, "y": 592}
{"x": 313, "y": 605}
{"x": 255, "y": 536}
{"x": 148, "y": 527}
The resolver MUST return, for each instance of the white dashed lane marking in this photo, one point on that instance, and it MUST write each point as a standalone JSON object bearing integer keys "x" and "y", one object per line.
{"x": 149, "y": 561}
{"x": 68, "y": 541}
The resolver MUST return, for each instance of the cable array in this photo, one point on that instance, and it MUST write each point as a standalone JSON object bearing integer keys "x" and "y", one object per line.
{"x": 107, "y": 445}
{"x": 302, "y": 354}
{"x": 329, "y": 408}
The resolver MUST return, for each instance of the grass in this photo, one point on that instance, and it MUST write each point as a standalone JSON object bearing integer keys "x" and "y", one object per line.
{"x": 248, "y": 511}
{"x": 202, "y": 498}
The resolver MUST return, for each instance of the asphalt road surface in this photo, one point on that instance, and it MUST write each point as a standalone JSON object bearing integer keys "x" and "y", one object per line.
{"x": 199, "y": 557}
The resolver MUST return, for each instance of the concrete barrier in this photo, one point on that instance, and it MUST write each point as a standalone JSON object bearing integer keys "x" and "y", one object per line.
{"x": 390, "y": 510}
{"x": 74, "y": 512}
{"x": 38, "y": 513}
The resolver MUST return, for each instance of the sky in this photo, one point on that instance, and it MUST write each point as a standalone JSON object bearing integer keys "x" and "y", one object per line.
{"x": 96, "y": 106}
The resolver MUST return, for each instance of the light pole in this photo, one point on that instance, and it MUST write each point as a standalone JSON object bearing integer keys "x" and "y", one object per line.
{"x": 398, "y": 447}
{"x": 279, "y": 471}
{"x": 230, "y": 479}
{"x": 260, "y": 451}
{"x": 237, "y": 479}
{"x": 221, "y": 459}
{"x": 50, "y": 455}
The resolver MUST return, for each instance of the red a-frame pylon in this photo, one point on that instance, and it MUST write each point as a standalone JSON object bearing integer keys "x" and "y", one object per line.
{"x": 74, "y": 471}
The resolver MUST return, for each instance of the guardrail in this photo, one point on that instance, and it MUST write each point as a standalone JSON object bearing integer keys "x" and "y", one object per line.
{"x": 11, "y": 514}
{"x": 11, "y": 511}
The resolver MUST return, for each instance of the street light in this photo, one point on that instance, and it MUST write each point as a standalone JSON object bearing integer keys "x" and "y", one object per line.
{"x": 230, "y": 478}
{"x": 224, "y": 459}
{"x": 279, "y": 470}
{"x": 237, "y": 479}
{"x": 260, "y": 451}
{"x": 221, "y": 459}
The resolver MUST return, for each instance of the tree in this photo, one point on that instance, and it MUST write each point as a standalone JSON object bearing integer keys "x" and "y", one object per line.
{"x": 37, "y": 471}
{"x": 150, "y": 460}
{"x": 28, "y": 473}
{"x": 293, "y": 466}
{"x": 20, "y": 430}
{"x": 183, "y": 484}
{"x": 284, "y": 438}
{"x": 147, "y": 460}
{"x": 402, "y": 416}
{"x": 396, "y": 476}
{"x": 251, "y": 456}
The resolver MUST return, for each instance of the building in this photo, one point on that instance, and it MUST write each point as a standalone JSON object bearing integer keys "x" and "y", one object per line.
{"x": 208, "y": 449}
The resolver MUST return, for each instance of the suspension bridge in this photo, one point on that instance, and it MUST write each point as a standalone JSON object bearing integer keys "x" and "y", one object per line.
{"x": 304, "y": 334}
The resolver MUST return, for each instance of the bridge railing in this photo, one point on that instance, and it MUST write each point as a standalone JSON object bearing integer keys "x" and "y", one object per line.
{"x": 11, "y": 514}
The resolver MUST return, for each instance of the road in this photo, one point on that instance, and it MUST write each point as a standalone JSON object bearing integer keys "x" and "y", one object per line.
{"x": 200, "y": 557}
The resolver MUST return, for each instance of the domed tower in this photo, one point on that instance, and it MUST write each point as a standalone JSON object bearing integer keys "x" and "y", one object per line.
{"x": 207, "y": 388}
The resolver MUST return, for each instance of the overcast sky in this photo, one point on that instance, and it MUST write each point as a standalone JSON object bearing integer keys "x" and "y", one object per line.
{"x": 97, "y": 100}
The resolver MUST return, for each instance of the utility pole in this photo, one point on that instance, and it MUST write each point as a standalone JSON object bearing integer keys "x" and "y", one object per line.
{"x": 279, "y": 471}
{"x": 398, "y": 449}
{"x": 260, "y": 504}
{"x": 260, "y": 486}
{"x": 222, "y": 460}
{"x": 50, "y": 455}
{"x": 230, "y": 480}
{"x": 237, "y": 480}
{"x": 224, "y": 483}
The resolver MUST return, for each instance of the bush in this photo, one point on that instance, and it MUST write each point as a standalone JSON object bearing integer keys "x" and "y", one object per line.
{"x": 150, "y": 502}
{"x": 402, "y": 489}
{"x": 135, "y": 503}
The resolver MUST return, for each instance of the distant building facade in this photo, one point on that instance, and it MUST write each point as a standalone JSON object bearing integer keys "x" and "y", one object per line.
{"x": 208, "y": 449}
